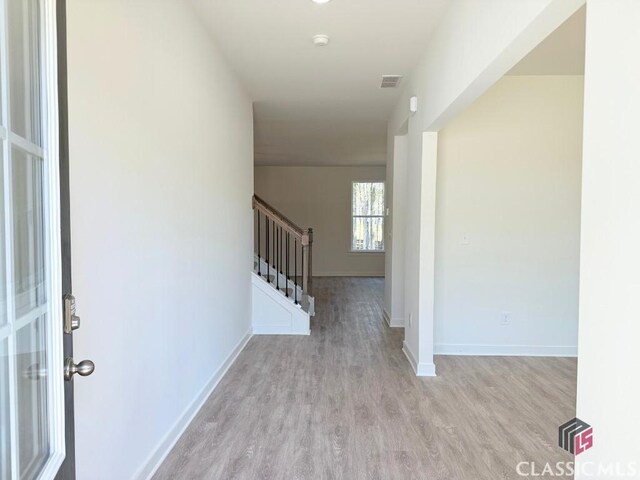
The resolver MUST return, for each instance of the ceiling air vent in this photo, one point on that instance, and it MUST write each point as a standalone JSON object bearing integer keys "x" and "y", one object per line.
{"x": 390, "y": 81}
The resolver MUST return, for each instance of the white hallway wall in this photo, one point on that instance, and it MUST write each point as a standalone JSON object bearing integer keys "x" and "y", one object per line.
{"x": 609, "y": 357}
{"x": 475, "y": 44}
{"x": 509, "y": 175}
{"x": 320, "y": 198}
{"x": 161, "y": 183}
{"x": 395, "y": 234}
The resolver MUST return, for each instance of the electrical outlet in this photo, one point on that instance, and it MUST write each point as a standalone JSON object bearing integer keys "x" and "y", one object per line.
{"x": 465, "y": 239}
{"x": 505, "y": 319}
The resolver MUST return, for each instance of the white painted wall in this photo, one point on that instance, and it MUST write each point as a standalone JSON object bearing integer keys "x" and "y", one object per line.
{"x": 395, "y": 231}
{"x": 161, "y": 184}
{"x": 509, "y": 173}
{"x": 474, "y": 46}
{"x": 608, "y": 380}
{"x": 320, "y": 198}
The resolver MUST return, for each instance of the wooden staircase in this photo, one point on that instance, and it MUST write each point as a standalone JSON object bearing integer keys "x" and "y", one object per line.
{"x": 282, "y": 273}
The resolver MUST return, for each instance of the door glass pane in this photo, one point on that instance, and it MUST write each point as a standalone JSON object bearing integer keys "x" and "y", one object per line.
{"x": 31, "y": 366}
{"x": 5, "y": 426}
{"x": 28, "y": 231}
{"x": 368, "y": 233}
{"x": 31, "y": 394}
{"x": 24, "y": 69}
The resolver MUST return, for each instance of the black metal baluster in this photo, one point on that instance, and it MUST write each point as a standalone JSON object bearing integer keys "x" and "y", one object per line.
{"x": 286, "y": 288}
{"x": 295, "y": 270}
{"x": 259, "y": 257}
{"x": 278, "y": 266}
{"x": 266, "y": 227}
{"x": 279, "y": 250}
{"x": 302, "y": 267}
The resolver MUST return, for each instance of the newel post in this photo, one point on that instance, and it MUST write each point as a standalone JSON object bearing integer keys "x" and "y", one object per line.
{"x": 307, "y": 242}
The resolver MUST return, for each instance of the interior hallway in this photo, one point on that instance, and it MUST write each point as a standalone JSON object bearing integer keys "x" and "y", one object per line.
{"x": 344, "y": 403}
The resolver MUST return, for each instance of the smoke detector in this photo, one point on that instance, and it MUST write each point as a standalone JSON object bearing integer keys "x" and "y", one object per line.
{"x": 390, "y": 81}
{"x": 321, "y": 40}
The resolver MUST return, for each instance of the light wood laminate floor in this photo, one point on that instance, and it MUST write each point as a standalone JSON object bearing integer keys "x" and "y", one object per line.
{"x": 343, "y": 403}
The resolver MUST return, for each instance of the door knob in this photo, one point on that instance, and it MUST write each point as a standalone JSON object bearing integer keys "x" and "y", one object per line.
{"x": 84, "y": 368}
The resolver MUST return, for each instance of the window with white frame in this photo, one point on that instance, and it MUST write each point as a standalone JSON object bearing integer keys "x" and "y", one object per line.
{"x": 367, "y": 217}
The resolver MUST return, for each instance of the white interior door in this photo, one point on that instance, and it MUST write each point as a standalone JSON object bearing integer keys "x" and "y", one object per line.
{"x": 31, "y": 354}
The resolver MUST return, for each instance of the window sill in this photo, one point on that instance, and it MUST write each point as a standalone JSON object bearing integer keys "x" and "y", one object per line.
{"x": 366, "y": 252}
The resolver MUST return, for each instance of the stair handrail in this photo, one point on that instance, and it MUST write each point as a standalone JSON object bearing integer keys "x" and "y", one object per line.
{"x": 277, "y": 217}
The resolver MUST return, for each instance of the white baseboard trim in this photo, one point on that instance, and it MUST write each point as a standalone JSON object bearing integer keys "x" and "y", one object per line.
{"x": 420, "y": 369}
{"x": 506, "y": 350}
{"x": 348, "y": 274}
{"x": 154, "y": 461}
{"x": 392, "y": 322}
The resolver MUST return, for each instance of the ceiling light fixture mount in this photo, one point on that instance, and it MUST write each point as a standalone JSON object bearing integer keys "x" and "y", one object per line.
{"x": 321, "y": 40}
{"x": 320, "y": 2}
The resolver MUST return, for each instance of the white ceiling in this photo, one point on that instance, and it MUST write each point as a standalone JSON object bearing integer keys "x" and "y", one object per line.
{"x": 561, "y": 53}
{"x": 321, "y": 105}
